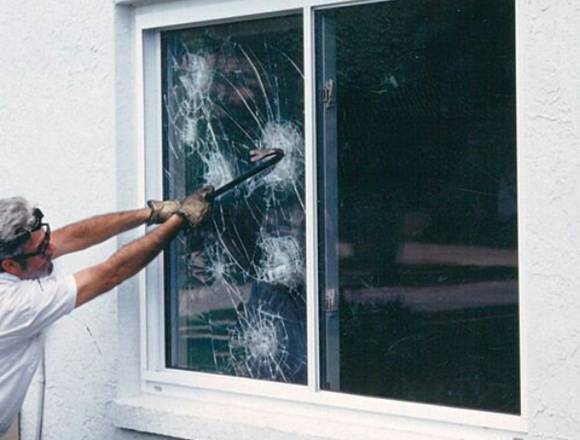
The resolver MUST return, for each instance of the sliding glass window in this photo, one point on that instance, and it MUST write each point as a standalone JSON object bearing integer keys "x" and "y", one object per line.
{"x": 235, "y": 296}
{"x": 415, "y": 190}
{"x": 417, "y": 196}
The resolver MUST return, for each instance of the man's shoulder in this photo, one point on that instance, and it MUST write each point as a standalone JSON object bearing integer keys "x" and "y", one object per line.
{"x": 12, "y": 286}
{"x": 45, "y": 289}
{"x": 9, "y": 286}
{"x": 28, "y": 306}
{"x": 6, "y": 278}
{"x": 11, "y": 282}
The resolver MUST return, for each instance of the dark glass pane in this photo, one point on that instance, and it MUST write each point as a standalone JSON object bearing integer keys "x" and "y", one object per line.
{"x": 235, "y": 297}
{"x": 417, "y": 196}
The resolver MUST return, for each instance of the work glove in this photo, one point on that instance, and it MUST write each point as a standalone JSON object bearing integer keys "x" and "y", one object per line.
{"x": 195, "y": 207}
{"x": 161, "y": 210}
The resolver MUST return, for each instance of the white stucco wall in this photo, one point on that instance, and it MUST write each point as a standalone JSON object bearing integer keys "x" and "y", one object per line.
{"x": 550, "y": 169}
{"x": 57, "y": 142}
{"x": 67, "y": 142}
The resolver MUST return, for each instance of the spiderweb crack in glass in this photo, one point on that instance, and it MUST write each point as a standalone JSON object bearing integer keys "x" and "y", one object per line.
{"x": 218, "y": 169}
{"x": 288, "y": 138}
{"x": 258, "y": 346}
{"x": 236, "y": 288}
{"x": 197, "y": 76}
{"x": 281, "y": 262}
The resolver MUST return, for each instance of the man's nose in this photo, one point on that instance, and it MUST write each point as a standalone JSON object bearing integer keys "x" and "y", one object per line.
{"x": 50, "y": 250}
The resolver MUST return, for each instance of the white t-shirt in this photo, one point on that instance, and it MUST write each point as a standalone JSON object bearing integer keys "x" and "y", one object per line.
{"x": 26, "y": 308}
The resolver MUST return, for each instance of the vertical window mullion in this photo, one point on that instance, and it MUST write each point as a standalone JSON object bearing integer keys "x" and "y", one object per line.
{"x": 311, "y": 211}
{"x": 153, "y": 163}
{"x": 328, "y": 167}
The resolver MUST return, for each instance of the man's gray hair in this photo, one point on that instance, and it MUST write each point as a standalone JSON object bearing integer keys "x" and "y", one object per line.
{"x": 15, "y": 216}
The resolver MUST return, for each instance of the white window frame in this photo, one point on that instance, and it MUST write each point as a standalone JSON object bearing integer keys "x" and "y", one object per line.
{"x": 149, "y": 20}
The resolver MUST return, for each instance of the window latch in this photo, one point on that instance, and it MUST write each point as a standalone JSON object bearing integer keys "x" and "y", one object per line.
{"x": 328, "y": 93}
{"x": 331, "y": 300}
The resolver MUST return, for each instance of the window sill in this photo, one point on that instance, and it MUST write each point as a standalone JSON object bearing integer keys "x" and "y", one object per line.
{"x": 200, "y": 420}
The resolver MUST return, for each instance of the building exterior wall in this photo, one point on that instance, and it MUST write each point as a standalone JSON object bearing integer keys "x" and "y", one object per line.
{"x": 549, "y": 163}
{"x": 67, "y": 142}
{"x": 57, "y": 113}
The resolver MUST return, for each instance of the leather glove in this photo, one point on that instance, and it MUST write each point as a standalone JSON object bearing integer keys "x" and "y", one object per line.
{"x": 195, "y": 207}
{"x": 161, "y": 210}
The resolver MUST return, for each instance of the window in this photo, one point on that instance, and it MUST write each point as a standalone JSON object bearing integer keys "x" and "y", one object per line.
{"x": 378, "y": 259}
{"x": 418, "y": 202}
{"x": 235, "y": 291}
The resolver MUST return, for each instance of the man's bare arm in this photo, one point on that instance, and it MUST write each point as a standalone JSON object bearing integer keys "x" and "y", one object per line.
{"x": 85, "y": 233}
{"x": 131, "y": 258}
{"x": 126, "y": 262}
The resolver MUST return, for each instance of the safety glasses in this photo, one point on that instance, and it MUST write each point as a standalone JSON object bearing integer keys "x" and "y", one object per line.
{"x": 25, "y": 235}
{"x": 42, "y": 247}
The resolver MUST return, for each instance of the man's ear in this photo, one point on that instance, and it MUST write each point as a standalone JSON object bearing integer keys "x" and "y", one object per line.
{"x": 11, "y": 266}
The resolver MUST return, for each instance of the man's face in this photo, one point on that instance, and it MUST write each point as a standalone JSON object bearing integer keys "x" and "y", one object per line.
{"x": 38, "y": 265}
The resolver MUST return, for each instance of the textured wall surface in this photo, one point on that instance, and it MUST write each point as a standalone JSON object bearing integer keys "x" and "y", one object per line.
{"x": 550, "y": 165}
{"x": 66, "y": 142}
{"x": 57, "y": 143}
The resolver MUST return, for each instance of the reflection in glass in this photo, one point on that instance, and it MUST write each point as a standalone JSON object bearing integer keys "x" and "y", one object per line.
{"x": 235, "y": 297}
{"x": 417, "y": 196}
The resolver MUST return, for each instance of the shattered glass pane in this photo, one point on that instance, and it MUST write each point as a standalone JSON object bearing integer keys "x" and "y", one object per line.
{"x": 235, "y": 288}
{"x": 418, "y": 198}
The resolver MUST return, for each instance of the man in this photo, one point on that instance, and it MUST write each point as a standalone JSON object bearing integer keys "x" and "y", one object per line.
{"x": 31, "y": 298}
